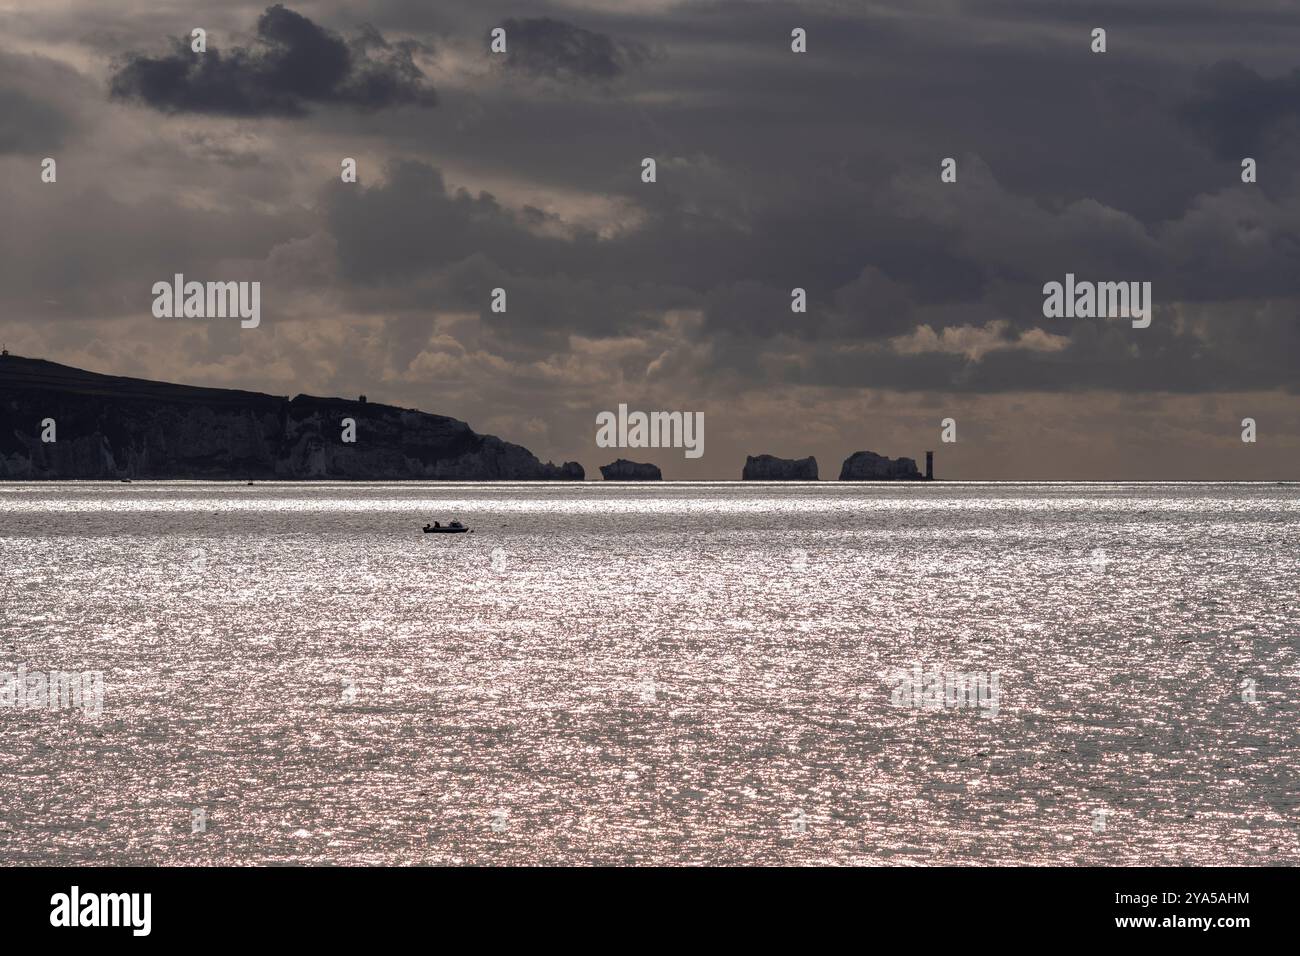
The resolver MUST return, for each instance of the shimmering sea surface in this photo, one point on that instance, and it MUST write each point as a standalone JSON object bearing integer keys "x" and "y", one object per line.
{"x": 679, "y": 674}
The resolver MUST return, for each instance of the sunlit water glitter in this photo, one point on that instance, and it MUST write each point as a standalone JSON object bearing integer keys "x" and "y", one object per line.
{"x": 676, "y": 673}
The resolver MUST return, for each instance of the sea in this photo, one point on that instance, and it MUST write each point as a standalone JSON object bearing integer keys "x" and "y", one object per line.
{"x": 687, "y": 673}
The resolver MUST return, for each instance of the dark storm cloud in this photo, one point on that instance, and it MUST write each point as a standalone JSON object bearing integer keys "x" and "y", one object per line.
{"x": 1165, "y": 14}
{"x": 411, "y": 243}
{"x": 296, "y": 63}
{"x": 778, "y": 170}
{"x": 1238, "y": 112}
{"x": 412, "y": 224}
{"x": 1248, "y": 354}
{"x": 548, "y": 47}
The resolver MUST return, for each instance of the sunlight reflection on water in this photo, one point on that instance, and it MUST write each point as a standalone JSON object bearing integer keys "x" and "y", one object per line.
{"x": 669, "y": 673}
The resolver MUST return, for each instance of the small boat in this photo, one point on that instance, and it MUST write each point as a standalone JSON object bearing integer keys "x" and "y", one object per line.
{"x": 454, "y": 528}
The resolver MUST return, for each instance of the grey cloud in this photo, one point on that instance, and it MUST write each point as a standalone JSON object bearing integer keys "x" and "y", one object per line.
{"x": 28, "y": 125}
{"x": 411, "y": 242}
{"x": 411, "y": 224}
{"x": 548, "y": 47}
{"x": 84, "y": 253}
{"x": 1238, "y": 112}
{"x": 32, "y": 118}
{"x": 294, "y": 65}
{"x": 776, "y": 170}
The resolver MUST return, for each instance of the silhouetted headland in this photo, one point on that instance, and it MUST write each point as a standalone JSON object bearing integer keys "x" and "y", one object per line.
{"x": 105, "y": 426}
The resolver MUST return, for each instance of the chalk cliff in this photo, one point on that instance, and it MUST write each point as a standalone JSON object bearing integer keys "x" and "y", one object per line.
{"x": 624, "y": 470}
{"x": 868, "y": 466}
{"x": 771, "y": 468}
{"x": 112, "y": 427}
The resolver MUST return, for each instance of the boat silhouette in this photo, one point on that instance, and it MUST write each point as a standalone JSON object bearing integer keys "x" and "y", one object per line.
{"x": 454, "y": 528}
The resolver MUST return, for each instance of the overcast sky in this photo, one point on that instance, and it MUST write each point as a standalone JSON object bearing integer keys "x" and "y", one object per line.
{"x": 775, "y": 170}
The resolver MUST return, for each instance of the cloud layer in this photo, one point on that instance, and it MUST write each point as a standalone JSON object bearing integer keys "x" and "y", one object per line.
{"x": 775, "y": 171}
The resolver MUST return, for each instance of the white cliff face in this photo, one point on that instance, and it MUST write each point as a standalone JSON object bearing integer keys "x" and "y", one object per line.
{"x": 120, "y": 428}
{"x": 82, "y": 455}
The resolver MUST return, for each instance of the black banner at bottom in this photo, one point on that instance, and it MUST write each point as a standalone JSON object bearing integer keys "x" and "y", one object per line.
{"x": 336, "y": 906}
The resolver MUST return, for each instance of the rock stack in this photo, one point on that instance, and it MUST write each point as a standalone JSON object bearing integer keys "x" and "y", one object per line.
{"x": 771, "y": 468}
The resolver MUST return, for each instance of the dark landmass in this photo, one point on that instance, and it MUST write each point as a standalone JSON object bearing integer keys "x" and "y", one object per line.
{"x": 868, "y": 466}
{"x": 113, "y": 427}
{"x": 771, "y": 468}
{"x": 624, "y": 470}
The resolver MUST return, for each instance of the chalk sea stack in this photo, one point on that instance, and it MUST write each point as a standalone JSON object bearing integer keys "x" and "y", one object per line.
{"x": 113, "y": 427}
{"x": 624, "y": 470}
{"x": 771, "y": 468}
{"x": 868, "y": 466}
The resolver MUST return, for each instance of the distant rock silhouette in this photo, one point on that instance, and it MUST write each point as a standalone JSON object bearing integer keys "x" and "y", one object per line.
{"x": 868, "y": 466}
{"x": 111, "y": 427}
{"x": 624, "y": 470}
{"x": 771, "y": 468}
